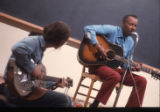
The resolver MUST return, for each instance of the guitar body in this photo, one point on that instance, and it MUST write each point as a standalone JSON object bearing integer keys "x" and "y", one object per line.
{"x": 88, "y": 55}
{"x": 10, "y": 82}
{"x": 19, "y": 83}
{"x": 22, "y": 84}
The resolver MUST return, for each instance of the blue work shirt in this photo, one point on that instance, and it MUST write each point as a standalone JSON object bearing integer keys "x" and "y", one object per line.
{"x": 114, "y": 35}
{"x": 28, "y": 52}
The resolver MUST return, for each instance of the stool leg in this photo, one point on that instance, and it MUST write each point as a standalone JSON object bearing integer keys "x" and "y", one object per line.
{"x": 89, "y": 92}
{"x": 80, "y": 81}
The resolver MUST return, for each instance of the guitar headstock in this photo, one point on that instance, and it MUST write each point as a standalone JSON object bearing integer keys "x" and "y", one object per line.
{"x": 69, "y": 82}
{"x": 156, "y": 74}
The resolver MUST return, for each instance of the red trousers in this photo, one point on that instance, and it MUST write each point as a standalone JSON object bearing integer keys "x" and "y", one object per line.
{"x": 111, "y": 77}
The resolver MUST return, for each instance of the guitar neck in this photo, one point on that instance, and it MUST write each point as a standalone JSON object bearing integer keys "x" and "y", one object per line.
{"x": 54, "y": 79}
{"x": 146, "y": 70}
{"x": 120, "y": 58}
{"x": 143, "y": 68}
{"x": 155, "y": 74}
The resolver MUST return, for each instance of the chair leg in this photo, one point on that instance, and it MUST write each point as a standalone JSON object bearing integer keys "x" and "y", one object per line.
{"x": 89, "y": 92}
{"x": 79, "y": 84}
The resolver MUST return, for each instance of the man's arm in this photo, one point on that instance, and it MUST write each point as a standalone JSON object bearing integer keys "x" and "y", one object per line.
{"x": 91, "y": 31}
{"x": 23, "y": 59}
{"x": 97, "y": 29}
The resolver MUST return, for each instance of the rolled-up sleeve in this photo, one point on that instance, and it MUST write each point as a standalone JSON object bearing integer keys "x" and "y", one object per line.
{"x": 22, "y": 54}
{"x": 98, "y": 29}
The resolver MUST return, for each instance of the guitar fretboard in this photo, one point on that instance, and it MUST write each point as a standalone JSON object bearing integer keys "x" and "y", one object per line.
{"x": 50, "y": 78}
{"x": 145, "y": 69}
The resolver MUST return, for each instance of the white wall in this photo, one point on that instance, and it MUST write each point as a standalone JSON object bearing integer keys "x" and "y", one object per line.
{"x": 8, "y": 37}
{"x": 63, "y": 63}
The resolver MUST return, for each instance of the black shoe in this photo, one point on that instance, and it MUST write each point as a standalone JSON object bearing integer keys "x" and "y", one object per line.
{"x": 94, "y": 104}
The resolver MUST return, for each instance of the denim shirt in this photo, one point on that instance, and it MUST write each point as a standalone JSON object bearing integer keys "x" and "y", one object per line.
{"x": 114, "y": 35}
{"x": 28, "y": 52}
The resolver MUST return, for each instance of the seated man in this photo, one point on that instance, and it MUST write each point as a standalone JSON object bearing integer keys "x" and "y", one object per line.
{"x": 120, "y": 35}
{"x": 28, "y": 53}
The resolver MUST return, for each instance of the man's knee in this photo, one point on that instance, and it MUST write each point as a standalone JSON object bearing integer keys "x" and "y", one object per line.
{"x": 116, "y": 77}
{"x": 142, "y": 81}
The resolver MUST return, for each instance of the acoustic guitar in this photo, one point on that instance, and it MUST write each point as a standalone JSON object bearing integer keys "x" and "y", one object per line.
{"x": 22, "y": 84}
{"x": 89, "y": 56}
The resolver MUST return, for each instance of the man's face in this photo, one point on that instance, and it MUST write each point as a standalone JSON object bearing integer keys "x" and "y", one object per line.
{"x": 129, "y": 25}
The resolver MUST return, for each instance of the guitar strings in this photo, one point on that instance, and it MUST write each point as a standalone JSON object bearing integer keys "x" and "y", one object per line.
{"x": 66, "y": 90}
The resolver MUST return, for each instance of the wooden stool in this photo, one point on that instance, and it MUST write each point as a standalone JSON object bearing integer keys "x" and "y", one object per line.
{"x": 93, "y": 78}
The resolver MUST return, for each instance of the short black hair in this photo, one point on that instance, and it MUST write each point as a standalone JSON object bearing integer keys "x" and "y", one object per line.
{"x": 129, "y": 15}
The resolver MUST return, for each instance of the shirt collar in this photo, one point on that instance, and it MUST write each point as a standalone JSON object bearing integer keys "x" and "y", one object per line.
{"x": 42, "y": 42}
{"x": 120, "y": 33}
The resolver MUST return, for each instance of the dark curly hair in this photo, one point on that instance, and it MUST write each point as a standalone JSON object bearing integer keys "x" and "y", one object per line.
{"x": 57, "y": 33}
{"x": 33, "y": 33}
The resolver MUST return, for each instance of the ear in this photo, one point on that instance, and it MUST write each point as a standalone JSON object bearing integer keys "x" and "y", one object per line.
{"x": 122, "y": 24}
{"x": 45, "y": 30}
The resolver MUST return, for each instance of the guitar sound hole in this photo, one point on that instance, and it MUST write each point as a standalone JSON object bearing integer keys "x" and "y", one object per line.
{"x": 110, "y": 54}
{"x": 99, "y": 57}
{"x": 19, "y": 72}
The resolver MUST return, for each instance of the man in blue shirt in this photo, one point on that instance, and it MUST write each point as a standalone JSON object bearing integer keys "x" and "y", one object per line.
{"x": 27, "y": 53}
{"x": 120, "y": 35}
